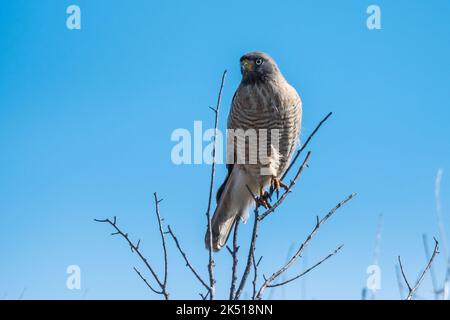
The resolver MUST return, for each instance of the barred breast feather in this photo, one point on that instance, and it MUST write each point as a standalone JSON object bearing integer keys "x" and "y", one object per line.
{"x": 269, "y": 105}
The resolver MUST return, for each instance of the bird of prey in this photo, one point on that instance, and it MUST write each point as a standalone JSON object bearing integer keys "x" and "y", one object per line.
{"x": 267, "y": 106}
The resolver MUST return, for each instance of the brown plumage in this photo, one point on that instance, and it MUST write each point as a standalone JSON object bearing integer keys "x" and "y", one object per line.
{"x": 265, "y": 113}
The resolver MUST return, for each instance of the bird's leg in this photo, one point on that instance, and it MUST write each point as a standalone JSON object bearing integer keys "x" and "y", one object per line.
{"x": 263, "y": 199}
{"x": 276, "y": 183}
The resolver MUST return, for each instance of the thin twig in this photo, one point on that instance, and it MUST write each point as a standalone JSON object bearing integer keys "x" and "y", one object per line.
{"x": 211, "y": 186}
{"x": 255, "y": 274}
{"x": 403, "y": 274}
{"x": 135, "y": 248}
{"x": 188, "y": 263}
{"x": 288, "y": 256}
{"x": 235, "y": 259}
{"x": 422, "y": 276}
{"x": 412, "y": 290}
{"x": 302, "y": 247}
{"x": 432, "y": 274}
{"x": 250, "y": 251}
{"x": 163, "y": 238}
{"x": 305, "y": 144}
{"x": 286, "y": 193}
{"x": 307, "y": 270}
{"x": 146, "y": 282}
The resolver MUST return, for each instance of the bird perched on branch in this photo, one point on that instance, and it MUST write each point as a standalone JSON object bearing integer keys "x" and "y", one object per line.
{"x": 263, "y": 132}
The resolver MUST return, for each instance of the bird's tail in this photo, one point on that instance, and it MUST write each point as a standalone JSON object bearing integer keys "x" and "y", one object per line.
{"x": 233, "y": 203}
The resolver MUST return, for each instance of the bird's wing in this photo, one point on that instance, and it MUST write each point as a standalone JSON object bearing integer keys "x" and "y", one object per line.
{"x": 289, "y": 140}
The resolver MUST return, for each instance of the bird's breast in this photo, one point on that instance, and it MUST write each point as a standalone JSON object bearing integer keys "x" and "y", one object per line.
{"x": 259, "y": 106}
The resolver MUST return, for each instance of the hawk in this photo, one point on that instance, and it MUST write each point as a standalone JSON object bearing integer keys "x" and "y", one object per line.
{"x": 266, "y": 113}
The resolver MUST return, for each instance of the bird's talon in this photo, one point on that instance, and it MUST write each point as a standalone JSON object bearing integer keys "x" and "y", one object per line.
{"x": 283, "y": 185}
{"x": 276, "y": 183}
{"x": 263, "y": 200}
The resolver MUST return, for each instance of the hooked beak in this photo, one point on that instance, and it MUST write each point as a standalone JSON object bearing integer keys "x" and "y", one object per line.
{"x": 246, "y": 66}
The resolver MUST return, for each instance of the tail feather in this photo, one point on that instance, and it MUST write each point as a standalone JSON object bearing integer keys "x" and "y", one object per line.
{"x": 233, "y": 203}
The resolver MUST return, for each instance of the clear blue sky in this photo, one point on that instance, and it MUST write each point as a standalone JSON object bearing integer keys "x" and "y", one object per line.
{"x": 86, "y": 118}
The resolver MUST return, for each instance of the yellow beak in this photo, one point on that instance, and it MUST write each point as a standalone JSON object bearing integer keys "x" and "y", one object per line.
{"x": 246, "y": 65}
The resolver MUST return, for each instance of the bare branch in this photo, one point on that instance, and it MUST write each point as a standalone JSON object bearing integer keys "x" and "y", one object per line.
{"x": 305, "y": 144}
{"x": 412, "y": 290}
{"x": 250, "y": 253}
{"x": 135, "y": 248}
{"x": 432, "y": 274}
{"x": 286, "y": 193}
{"x": 419, "y": 281}
{"x": 403, "y": 274}
{"x": 307, "y": 270}
{"x": 235, "y": 259}
{"x": 211, "y": 186}
{"x": 188, "y": 263}
{"x": 146, "y": 282}
{"x": 255, "y": 274}
{"x": 163, "y": 238}
{"x": 288, "y": 256}
{"x": 302, "y": 247}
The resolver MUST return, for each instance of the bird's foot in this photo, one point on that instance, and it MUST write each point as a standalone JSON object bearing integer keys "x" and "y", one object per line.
{"x": 276, "y": 184}
{"x": 263, "y": 200}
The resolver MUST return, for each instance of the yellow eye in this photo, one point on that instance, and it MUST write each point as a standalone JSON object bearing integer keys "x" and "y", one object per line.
{"x": 258, "y": 61}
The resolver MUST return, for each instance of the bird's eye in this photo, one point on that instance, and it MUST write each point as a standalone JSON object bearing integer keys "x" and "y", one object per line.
{"x": 258, "y": 61}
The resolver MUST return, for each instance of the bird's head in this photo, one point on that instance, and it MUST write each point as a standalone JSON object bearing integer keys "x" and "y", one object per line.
{"x": 258, "y": 66}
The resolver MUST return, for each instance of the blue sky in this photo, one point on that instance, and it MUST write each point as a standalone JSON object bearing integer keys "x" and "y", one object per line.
{"x": 86, "y": 118}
